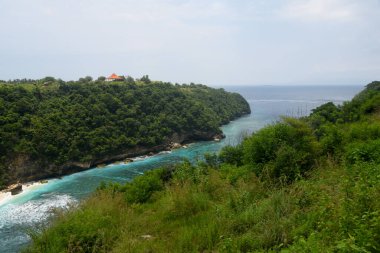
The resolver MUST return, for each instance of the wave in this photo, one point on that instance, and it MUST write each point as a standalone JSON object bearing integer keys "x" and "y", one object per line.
{"x": 34, "y": 211}
{"x": 16, "y": 219}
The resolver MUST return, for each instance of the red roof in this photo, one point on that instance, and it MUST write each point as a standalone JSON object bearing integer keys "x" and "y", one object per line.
{"x": 114, "y": 76}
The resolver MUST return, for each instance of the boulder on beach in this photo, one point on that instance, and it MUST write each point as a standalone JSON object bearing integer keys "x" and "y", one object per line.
{"x": 16, "y": 189}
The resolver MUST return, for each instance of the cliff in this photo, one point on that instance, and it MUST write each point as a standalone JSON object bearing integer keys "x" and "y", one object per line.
{"x": 25, "y": 169}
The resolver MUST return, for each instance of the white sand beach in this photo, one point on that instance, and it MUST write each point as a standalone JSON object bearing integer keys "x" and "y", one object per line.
{"x": 5, "y": 195}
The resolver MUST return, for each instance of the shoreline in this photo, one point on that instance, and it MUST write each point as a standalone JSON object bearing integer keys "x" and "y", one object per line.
{"x": 184, "y": 142}
{"x": 6, "y": 195}
{"x": 71, "y": 167}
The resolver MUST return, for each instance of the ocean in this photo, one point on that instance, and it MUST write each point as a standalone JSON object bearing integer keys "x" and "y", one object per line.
{"x": 33, "y": 208}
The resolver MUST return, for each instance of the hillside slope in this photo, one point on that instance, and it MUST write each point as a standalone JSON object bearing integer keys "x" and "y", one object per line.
{"x": 301, "y": 185}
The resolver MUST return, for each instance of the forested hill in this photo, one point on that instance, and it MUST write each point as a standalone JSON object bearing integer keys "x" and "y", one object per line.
{"x": 49, "y": 127}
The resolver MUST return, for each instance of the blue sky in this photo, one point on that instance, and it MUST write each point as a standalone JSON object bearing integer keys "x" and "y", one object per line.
{"x": 212, "y": 42}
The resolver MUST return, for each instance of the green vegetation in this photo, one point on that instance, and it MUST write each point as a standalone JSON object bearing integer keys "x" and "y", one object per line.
{"x": 47, "y": 124}
{"x": 307, "y": 185}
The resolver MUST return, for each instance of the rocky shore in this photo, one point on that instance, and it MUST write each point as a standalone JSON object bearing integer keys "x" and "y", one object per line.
{"x": 26, "y": 170}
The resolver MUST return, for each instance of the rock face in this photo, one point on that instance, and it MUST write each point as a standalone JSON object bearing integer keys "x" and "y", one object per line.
{"x": 25, "y": 169}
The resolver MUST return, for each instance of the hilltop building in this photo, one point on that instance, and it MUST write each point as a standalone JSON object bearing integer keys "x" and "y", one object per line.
{"x": 114, "y": 77}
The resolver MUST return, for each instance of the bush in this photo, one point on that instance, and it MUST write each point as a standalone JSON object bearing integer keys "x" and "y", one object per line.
{"x": 233, "y": 173}
{"x": 363, "y": 131}
{"x": 363, "y": 152}
{"x": 141, "y": 188}
{"x": 371, "y": 105}
{"x": 331, "y": 139}
{"x": 185, "y": 172}
{"x": 232, "y": 155}
{"x": 284, "y": 150}
{"x": 328, "y": 112}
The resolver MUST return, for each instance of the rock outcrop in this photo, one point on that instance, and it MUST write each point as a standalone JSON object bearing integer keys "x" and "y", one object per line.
{"x": 25, "y": 169}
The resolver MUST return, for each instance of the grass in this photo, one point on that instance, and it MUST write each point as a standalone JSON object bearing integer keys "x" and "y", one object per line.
{"x": 329, "y": 210}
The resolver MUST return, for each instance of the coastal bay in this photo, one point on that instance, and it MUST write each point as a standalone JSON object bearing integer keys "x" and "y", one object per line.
{"x": 33, "y": 208}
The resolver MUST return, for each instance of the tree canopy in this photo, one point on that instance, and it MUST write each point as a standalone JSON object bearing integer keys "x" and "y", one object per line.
{"x": 53, "y": 122}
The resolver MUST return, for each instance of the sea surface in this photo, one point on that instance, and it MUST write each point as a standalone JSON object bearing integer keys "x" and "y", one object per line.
{"x": 32, "y": 209}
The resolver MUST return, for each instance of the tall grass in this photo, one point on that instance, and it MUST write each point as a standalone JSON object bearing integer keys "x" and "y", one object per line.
{"x": 331, "y": 210}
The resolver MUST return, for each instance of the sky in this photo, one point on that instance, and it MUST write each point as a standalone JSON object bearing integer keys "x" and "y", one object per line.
{"x": 214, "y": 42}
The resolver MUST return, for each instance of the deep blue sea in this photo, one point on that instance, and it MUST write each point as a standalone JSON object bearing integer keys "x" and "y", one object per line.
{"x": 33, "y": 208}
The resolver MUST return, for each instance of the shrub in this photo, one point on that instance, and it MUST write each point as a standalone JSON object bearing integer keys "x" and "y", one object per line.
{"x": 185, "y": 172}
{"x": 285, "y": 149}
{"x": 363, "y": 152}
{"x": 232, "y": 155}
{"x": 233, "y": 173}
{"x": 371, "y": 105}
{"x": 363, "y": 131}
{"x": 328, "y": 112}
{"x": 141, "y": 188}
{"x": 211, "y": 160}
{"x": 331, "y": 139}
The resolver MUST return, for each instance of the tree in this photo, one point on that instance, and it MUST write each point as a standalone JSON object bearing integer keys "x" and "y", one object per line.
{"x": 48, "y": 80}
{"x": 130, "y": 80}
{"x": 145, "y": 79}
{"x": 101, "y": 79}
{"x": 88, "y": 79}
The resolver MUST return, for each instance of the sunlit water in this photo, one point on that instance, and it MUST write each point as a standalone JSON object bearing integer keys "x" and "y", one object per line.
{"x": 31, "y": 209}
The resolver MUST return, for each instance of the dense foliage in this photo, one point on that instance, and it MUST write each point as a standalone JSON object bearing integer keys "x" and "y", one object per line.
{"x": 54, "y": 122}
{"x": 308, "y": 185}
{"x": 285, "y": 150}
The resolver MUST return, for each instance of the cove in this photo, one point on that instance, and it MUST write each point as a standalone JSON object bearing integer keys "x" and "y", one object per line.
{"x": 33, "y": 208}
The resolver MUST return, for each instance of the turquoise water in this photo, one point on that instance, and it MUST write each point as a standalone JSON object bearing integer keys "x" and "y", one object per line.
{"x": 33, "y": 208}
